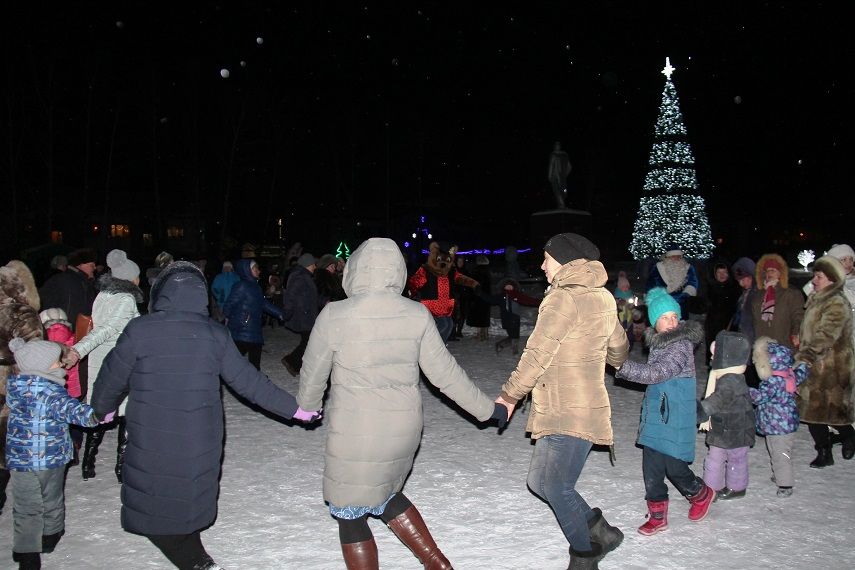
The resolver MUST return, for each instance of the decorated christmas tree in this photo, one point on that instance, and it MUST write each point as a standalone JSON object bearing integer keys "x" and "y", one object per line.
{"x": 672, "y": 210}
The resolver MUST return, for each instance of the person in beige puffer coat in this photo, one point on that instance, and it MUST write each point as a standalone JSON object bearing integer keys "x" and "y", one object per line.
{"x": 371, "y": 347}
{"x": 563, "y": 366}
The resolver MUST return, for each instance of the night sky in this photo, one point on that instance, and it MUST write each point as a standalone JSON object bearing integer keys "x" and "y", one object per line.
{"x": 353, "y": 118}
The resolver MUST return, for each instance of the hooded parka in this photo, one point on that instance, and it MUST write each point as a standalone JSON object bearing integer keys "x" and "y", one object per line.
{"x": 374, "y": 343}
{"x": 169, "y": 365}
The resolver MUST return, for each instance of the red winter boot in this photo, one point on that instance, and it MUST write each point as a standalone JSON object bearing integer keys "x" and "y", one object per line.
{"x": 657, "y": 518}
{"x": 701, "y": 503}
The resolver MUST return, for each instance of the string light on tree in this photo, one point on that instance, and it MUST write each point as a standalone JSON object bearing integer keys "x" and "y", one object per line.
{"x": 671, "y": 210}
{"x": 806, "y": 257}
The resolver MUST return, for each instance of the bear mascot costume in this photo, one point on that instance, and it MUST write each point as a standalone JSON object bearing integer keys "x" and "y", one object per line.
{"x": 433, "y": 285}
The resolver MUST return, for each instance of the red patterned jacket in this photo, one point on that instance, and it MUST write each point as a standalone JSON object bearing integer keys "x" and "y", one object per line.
{"x": 435, "y": 291}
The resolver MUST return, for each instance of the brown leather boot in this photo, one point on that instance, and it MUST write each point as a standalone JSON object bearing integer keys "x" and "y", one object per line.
{"x": 411, "y": 529}
{"x": 361, "y": 555}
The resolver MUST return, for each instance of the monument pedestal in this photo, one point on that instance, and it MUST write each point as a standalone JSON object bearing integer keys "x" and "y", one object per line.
{"x": 547, "y": 223}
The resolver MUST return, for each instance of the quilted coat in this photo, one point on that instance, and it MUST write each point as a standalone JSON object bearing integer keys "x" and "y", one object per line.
{"x": 41, "y": 410}
{"x": 169, "y": 364}
{"x": 113, "y": 309}
{"x": 374, "y": 343}
{"x": 563, "y": 365}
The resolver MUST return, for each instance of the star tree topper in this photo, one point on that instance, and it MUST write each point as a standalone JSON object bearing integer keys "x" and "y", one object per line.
{"x": 668, "y": 70}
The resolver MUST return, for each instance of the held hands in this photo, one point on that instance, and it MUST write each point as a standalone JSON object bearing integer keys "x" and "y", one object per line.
{"x": 502, "y": 412}
{"x": 306, "y": 417}
{"x": 71, "y": 358}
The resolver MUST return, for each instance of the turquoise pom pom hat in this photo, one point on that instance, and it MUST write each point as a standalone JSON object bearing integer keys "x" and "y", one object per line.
{"x": 659, "y": 302}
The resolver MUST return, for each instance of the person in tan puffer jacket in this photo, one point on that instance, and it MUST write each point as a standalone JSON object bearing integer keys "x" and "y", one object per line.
{"x": 563, "y": 366}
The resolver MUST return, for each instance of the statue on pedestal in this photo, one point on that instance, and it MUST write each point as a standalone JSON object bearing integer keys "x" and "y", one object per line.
{"x": 559, "y": 170}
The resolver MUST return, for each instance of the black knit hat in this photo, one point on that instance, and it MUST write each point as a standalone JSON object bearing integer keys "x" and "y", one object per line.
{"x": 565, "y": 248}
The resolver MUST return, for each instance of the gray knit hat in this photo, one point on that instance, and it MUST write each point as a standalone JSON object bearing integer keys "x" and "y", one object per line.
{"x": 307, "y": 259}
{"x": 36, "y": 355}
{"x": 121, "y": 267}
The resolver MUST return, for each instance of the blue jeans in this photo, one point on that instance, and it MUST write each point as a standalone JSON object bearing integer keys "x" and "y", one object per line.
{"x": 445, "y": 326}
{"x": 555, "y": 467}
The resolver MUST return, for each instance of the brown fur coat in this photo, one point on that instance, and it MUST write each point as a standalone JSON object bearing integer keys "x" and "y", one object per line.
{"x": 826, "y": 345}
{"x": 19, "y": 317}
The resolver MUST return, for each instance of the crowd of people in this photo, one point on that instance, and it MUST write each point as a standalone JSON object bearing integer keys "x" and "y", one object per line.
{"x": 86, "y": 352}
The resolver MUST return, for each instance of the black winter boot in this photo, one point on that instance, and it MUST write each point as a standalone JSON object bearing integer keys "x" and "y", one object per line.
{"x": 90, "y": 450}
{"x": 849, "y": 446}
{"x": 604, "y": 534}
{"x": 586, "y": 560}
{"x": 28, "y": 560}
{"x": 823, "y": 458}
{"x": 49, "y": 541}
{"x": 120, "y": 448}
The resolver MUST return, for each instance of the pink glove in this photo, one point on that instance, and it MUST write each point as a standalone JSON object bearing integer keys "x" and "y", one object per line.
{"x": 108, "y": 418}
{"x": 304, "y": 416}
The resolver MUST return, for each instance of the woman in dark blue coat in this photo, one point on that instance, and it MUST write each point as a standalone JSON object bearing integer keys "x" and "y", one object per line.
{"x": 169, "y": 365}
{"x": 244, "y": 310}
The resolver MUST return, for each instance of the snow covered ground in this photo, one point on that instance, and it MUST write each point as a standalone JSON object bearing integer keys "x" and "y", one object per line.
{"x": 469, "y": 484}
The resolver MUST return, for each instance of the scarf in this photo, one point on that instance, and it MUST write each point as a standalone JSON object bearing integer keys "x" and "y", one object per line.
{"x": 767, "y": 310}
{"x": 789, "y": 377}
{"x": 715, "y": 374}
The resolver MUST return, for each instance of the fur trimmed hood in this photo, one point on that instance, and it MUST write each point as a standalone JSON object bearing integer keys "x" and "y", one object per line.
{"x": 108, "y": 284}
{"x": 765, "y": 261}
{"x": 18, "y": 286}
{"x": 686, "y": 330}
{"x": 769, "y": 355}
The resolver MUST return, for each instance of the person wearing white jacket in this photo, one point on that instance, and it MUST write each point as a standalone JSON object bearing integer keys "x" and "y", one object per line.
{"x": 113, "y": 309}
{"x": 371, "y": 347}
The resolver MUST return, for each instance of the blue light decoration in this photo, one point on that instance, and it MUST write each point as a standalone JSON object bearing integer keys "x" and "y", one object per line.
{"x": 423, "y": 231}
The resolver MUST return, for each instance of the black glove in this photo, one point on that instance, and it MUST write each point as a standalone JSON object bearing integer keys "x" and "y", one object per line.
{"x": 500, "y": 414}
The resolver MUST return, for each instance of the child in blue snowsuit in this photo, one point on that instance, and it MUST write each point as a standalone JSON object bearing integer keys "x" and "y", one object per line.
{"x": 38, "y": 446}
{"x": 777, "y": 414}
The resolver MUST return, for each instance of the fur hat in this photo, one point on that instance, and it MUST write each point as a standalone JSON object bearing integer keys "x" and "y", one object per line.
{"x": 82, "y": 256}
{"x": 831, "y": 268}
{"x": 326, "y": 260}
{"x": 17, "y": 285}
{"x": 50, "y": 317}
{"x": 568, "y": 247}
{"x": 121, "y": 267}
{"x": 771, "y": 260}
{"x": 731, "y": 349}
{"x": 228, "y": 265}
{"x": 163, "y": 259}
{"x": 659, "y": 302}
{"x": 36, "y": 355}
{"x": 306, "y": 260}
{"x": 841, "y": 250}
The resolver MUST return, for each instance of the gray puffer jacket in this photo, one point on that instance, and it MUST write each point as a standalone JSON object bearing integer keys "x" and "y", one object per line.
{"x": 374, "y": 343}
